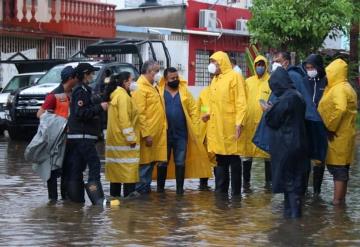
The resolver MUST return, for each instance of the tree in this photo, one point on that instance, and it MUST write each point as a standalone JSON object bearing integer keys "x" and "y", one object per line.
{"x": 354, "y": 45}
{"x": 298, "y": 25}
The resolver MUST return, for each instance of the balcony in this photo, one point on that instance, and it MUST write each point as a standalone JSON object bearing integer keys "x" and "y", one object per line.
{"x": 63, "y": 17}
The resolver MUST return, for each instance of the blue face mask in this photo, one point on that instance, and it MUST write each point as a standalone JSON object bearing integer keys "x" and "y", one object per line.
{"x": 260, "y": 70}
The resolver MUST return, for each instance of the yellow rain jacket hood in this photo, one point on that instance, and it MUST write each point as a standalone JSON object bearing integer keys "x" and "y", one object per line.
{"x": 338, "y": 109}
{"x": 152, "y": 120}
{"x": 122, "y": 161}
{"x": 227, "y": 108}
{"x": 197, "y": 163}
{"x": 256, "y": 89}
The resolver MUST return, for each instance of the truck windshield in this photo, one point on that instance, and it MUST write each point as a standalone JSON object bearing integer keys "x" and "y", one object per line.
{"x": 20, "y": 81}
{"x": 54, "y": 75}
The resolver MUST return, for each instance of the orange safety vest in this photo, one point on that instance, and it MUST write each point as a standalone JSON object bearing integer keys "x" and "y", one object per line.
{"x": 62, "y": 105}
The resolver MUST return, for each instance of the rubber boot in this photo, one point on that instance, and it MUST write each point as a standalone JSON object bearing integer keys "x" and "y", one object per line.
{"x": 222, "y": 179}
{"x": 115, "y": 189}
{"x": 128, "y": 189}
{"x": 75, "y": 191}
{"x": 306, "y": 181}
{"x": 52, "y": 188}
{"x": 63, "y": 189}
{"x": 318, "y": 174}
{"x": 204, "y": 184}
{"x": 180, "y": 177}
{"x": 287, "y": 209}
{"x": 267, "y": 175}
{"x": 95, "y": 193}
{"x": 161, "y": 178}
{"x": 247, "y": 175}
{"x": 295, "y": 205}
{"x": 236, "y": 178}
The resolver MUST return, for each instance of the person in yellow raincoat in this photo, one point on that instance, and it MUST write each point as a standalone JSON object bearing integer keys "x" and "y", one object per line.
{"x": 257, "y": 89}
{"x": 226, "y": 119}
{"x": 203, "y": 109}
{"x": 122, "y": 150}
{"x": 188, "y": 153}
{"x": 152, "y": 124}
{"x": 338, "y": 109}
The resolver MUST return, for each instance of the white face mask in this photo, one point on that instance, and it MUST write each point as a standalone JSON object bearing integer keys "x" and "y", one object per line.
{"x": 212, "y": 68}
{"x": 238, "y": 69}
{"x": 312, "y": 73}
{"x": 275, "y": 66}
{"x": 157, "y": 77}
{"x": 133, "y": 86}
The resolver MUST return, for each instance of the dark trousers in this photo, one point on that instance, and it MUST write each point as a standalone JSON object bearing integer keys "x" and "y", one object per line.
{"x": 222, "y": 175}
{"x": 82, "y": 153}
{"x": 115, "y": 189}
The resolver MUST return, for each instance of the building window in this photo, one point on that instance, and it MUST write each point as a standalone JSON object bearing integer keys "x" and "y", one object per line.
{"x": 202, "y": 76}
{"x": 240, "y": 60}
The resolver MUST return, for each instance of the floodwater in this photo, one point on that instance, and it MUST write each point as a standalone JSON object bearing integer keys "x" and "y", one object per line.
{"x": 195, "y": 219}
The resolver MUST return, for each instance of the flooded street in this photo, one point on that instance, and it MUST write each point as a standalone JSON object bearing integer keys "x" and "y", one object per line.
{"x": 195, "y": 219}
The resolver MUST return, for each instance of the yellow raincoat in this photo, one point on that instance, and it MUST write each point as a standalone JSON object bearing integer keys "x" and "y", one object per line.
{"x": 203, "y": 108}
{"x": 152, "y": 120}
{"x": 122, "y": 161}
{"x": 227, "y": 108}
{"x": 197, "y": 164}
{"x": 338, "y": 109}
{"x": 256, "y": 89}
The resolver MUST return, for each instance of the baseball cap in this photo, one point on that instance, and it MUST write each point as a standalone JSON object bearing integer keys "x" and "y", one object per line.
{"x": 67, "y": 72}
{"x": 85, "y": 68}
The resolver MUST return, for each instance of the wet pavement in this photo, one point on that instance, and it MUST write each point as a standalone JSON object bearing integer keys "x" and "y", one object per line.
{"x": 195, "y": 219}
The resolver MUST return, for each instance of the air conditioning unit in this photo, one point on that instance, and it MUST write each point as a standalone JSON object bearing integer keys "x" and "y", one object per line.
{"x": 241, "y": 25}
{"x": 207, "y": 19}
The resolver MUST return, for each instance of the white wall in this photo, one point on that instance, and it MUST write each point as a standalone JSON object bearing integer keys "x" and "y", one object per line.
{"x": 136, "y": 3}
{"x": 179, "y": 53}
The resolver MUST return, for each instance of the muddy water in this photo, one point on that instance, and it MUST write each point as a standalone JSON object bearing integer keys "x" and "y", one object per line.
{"x": 196, "y": 219}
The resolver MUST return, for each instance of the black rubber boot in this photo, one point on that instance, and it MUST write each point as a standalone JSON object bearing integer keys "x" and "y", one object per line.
{"x": 95, "y": 193}
{"x": 267, "y": 175}
{"x": 287, "y": 209}
{"x": 204, "y": 184}
{"x": 115, "y": 189}
{"x": 247, "y": 175}
{"x": 318, "y": 175}
{"x": 161, "y": 178}
{"x": 236, "y": 178}
{"x": 306, "y": 181}
{"x": 52, "y": 188}
{"x": 63, "y": 189}
{"x": 128, "y": 189}
{"x": 295, "y": 205}
{"x": 222, "y": 179}
{"x": 75, "y": 191}
{"x": 180, "y": 177}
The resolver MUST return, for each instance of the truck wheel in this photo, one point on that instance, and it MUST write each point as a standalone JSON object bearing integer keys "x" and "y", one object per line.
{"x": 14, "y": 133}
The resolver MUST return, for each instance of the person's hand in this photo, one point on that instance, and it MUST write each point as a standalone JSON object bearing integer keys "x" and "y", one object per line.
{"x": 267, "y": 106}
{"x": 238, "y": 132}
{"x": 149, "y": 141}
{"x": 331, "y": 135}
{"x": 133, "y": 145}
{"x": 205, "y": 118}
{"x": 104, "y": 105}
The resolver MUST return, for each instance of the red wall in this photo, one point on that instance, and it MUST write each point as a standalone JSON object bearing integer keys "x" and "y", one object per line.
{"x": 228, "y": 18}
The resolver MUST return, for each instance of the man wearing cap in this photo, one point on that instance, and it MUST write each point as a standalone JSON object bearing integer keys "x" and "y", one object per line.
{"x": 58, "y": 102}
{"x": 84, "y": 127}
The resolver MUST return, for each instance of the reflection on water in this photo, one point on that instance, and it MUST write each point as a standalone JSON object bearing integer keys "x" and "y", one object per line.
{"x": 197, "y": 218}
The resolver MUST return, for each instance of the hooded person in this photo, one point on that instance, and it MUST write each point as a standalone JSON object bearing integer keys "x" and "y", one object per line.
{"x": 225, "y": 122}
{"x": 152, "y": 124}
{"x": 288, "y": 143}
{"x": 257, "y": 89}
{"x": 316, "y": 81}
{"x": 185, "y": 152}
{"x": 315, "y": 127}
{"x": 338, "y": 109}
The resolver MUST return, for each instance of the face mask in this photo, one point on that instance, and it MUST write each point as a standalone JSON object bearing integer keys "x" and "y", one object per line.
{"x": 133, "y": 86}
{"x": 312, "y": 73}
{"x": 237, "y": 69}
{"x": 157, "y": 77}
{"x": 212, "y": 68}
{"x": 260, "y": 70}
{"x": 174, "y": 84}
{"x": 275, "y": 66}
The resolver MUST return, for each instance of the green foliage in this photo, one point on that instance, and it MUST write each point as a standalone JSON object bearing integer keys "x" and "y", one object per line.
{"x": 298, "y": 25}
{"x": 250, "y": 58}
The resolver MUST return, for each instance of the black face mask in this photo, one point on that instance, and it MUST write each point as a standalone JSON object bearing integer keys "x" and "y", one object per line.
{"x": 174, "y": 84}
